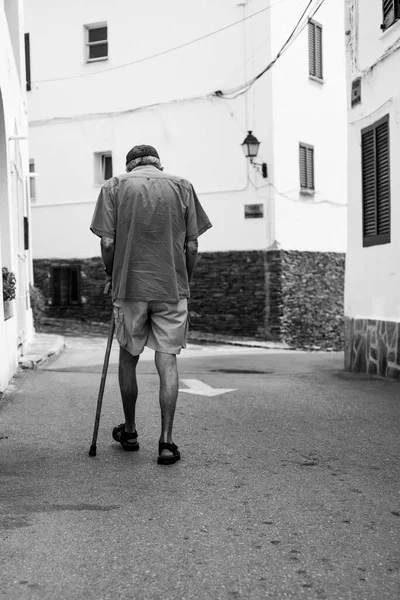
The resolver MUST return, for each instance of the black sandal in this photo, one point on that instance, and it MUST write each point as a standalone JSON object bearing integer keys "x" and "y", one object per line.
{"x": 168, "y": 459}
{"x": 125, "y": 439}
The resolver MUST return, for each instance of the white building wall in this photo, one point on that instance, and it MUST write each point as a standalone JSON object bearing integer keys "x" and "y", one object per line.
{"x": 308, "y": 111}
{"x": 372, "y": 287}
{"x": 75, "y": 112}
{"x": 14, "y": 206}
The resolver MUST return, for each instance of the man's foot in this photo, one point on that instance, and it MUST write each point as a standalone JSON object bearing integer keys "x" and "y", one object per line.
{"x": 127, "y": 440}
{"x": 168, "y": 454}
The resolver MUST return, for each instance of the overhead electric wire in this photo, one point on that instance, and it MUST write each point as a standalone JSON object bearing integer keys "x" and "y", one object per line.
{"x": 220, "y": 94}
{"x": 163, "y": 52}
{"x": 242, "y": 89}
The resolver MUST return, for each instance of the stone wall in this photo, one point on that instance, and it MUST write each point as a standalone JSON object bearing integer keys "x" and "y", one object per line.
{"x": 373, "y": 347}
{"x": 285, "y": 296}
{"x": 306, "y": 298}
{"x": 228, "y": 294}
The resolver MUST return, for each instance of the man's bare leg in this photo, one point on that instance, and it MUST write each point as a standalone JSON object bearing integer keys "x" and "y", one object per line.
{"x": 128, "y": 387}
{"x": 168, "y": 372}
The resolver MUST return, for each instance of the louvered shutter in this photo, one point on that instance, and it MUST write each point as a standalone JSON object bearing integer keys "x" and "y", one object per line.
{"x": 303, "y": 167}
{"x": 369, "y": 183}
{"x": 318, "y": 51}
{"x": 375, "y": 147}
{"x": 383, "y": 179}
{"x": 306, "y": 154}
{"x": 310, "y": 168}
{"x": 311, "y": 48}
{"x": 388, "y": 7}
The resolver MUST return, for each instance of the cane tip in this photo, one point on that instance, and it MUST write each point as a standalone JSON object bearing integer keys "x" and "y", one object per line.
{"x": 92, "y": 451}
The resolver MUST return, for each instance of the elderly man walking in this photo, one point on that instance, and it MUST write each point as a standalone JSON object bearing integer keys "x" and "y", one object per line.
{"x": 149, "y": 222}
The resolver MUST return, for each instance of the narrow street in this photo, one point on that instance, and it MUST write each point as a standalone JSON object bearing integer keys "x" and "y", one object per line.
{"x": 288, "y": 485}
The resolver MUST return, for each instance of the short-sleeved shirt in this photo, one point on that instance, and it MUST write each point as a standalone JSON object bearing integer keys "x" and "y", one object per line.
{"x": 150, "y": 215}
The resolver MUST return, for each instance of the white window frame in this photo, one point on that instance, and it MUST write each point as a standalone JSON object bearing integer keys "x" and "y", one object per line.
{"x": 88, "y": 44}
{"x": 99, "y": 166}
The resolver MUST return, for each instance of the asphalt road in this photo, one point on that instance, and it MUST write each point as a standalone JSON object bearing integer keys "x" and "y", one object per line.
{"x": 288, "y": 485}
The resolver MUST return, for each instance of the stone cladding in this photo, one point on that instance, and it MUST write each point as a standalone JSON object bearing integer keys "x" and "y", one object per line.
{"x": 373, "y": 347}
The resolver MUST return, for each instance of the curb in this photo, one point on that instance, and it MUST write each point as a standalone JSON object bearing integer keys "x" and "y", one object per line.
{"x": 216, "y": 339}
{"x": 43, "y": 347}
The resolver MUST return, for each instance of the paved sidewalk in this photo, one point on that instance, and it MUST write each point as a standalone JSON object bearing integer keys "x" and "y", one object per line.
{"x": 43, "y": 347}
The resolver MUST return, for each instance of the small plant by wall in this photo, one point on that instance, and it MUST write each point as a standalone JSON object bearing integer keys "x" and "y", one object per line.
{"x": 38, "y": 305}
{"x": 9, "y": 285}
{"x": 9, "y": 292}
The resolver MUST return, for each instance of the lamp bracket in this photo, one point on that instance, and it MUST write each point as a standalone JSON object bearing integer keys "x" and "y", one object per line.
{"x": 261, "y": 167}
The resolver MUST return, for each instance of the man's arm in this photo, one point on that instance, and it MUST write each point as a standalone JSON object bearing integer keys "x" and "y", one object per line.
{"x": 191, "y": 257}
{"x": 107, "y": 253}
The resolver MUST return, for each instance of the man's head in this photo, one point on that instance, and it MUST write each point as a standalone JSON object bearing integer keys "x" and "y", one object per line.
{"x": 142, "y": 155}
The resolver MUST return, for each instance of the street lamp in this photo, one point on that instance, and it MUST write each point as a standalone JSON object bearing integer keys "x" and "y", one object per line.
{"x": 250, "y": 147}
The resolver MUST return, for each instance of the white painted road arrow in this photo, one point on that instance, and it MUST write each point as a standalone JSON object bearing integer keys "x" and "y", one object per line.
{"x": 202, "y": 389}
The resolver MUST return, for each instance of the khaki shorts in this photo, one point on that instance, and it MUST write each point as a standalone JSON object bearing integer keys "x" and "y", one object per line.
{"x": 162, "y": 326}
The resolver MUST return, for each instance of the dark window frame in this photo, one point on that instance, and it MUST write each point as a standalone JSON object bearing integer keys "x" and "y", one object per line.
{"x": 390, "y": 13}
{"x": 71, "y": 298}
{"x": 26, "y": 233}
{"x": 307, "y": 186}
{"x": 106, "y": 166}
{"x": 28, "y": 62}
{"x": 315, "y": 70}
{"x": 372, "y": 179}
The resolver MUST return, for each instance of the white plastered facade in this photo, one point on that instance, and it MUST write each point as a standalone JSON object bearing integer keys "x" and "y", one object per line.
{"x": 372, "y": 287}
{"x": 16, "y": 331}
{"x": 77, "y": 109}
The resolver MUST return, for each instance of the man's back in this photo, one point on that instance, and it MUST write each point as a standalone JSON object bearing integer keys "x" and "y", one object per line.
{"x": 152, "y": 214}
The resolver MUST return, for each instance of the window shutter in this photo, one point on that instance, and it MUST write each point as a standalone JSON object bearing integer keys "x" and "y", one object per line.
{"x": 369, "y": 183}
{"x": 27, "y": 62}
{"x": 318, "y": 51}
{"x": 383, "y": 179}
{"x": 310, "y": 168}
{"x": 311, "y": 48}
{"x": 388, "y": 7}
{"x": 303, "y": 167}
{"x": 375, "y": 148}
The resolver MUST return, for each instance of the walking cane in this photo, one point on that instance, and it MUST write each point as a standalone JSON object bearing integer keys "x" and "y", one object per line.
{"x": 92, "y": 451}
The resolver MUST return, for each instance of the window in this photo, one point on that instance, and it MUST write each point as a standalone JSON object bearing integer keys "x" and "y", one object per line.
{"x": 32, "y": 181}
{"x": 96, "y": 42}
{"x": 375, "y": 162}
{"x": 390, "y": 12}
{"x": 27, "y": 62}
{"x": 356, "y": 91}
{"x": 306, "y": 168}
{"x": 253, "y": 211}
{"x": 26, "y": 233}
{"x": 315, "y": 49}
{"x": 103, "y": 166}
{"x": 65, "y": 282}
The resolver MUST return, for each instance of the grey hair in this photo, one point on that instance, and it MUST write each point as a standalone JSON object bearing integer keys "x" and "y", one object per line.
{"x": 143, "y": 160}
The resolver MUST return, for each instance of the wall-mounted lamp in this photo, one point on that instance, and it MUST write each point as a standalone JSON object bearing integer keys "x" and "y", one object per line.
{"x": 250, "y": 147}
